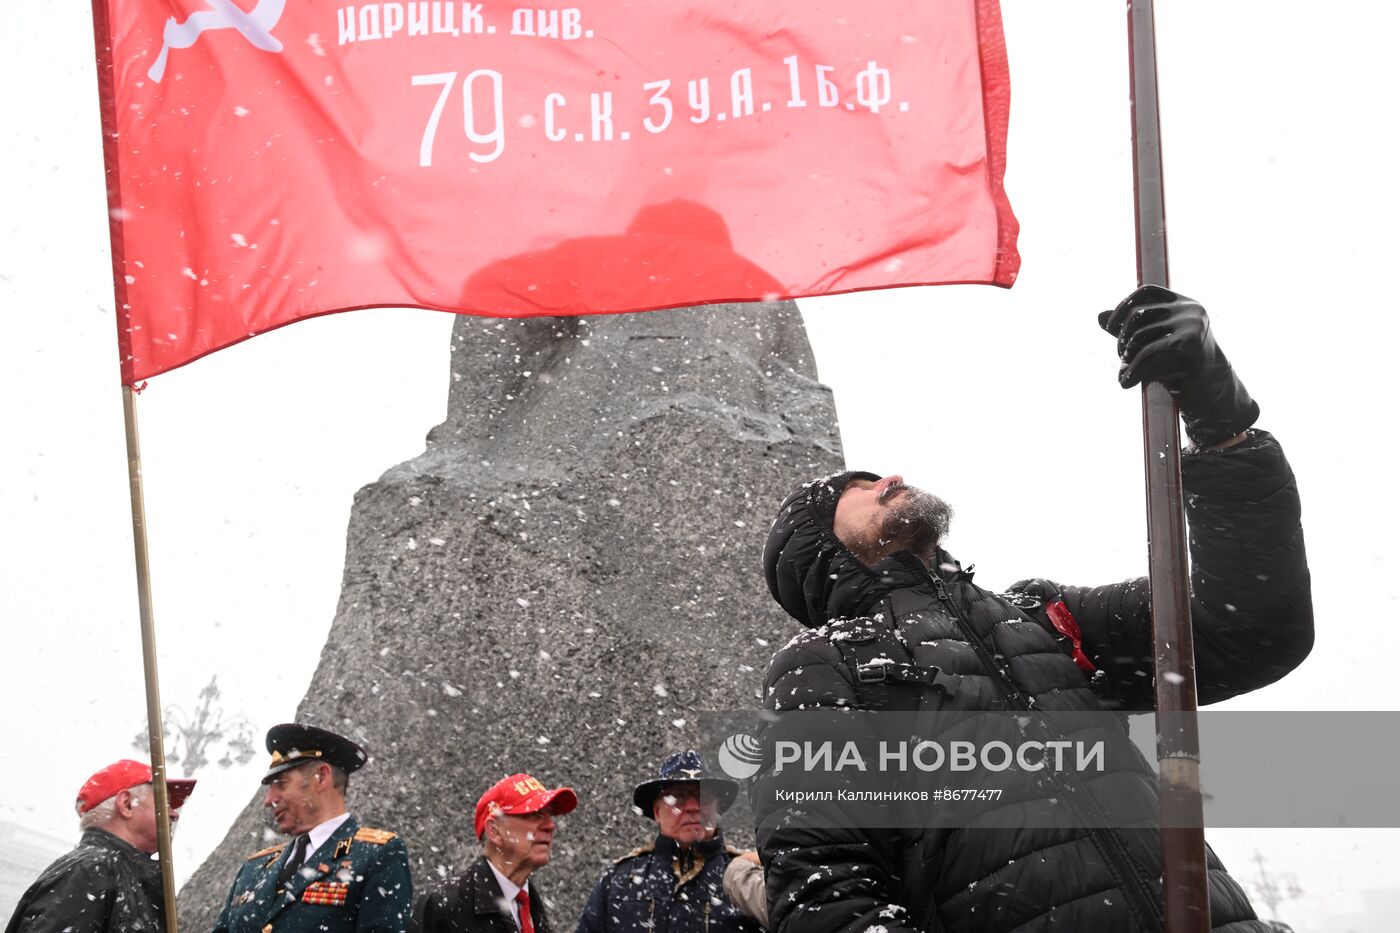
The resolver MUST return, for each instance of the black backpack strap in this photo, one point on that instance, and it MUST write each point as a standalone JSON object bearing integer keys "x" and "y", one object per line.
{"x": 878, "y": 660}
{"x": 879, "y": 672}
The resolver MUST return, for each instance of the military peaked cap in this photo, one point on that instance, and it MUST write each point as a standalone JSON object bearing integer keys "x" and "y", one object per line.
{"x": 292, "y": 744}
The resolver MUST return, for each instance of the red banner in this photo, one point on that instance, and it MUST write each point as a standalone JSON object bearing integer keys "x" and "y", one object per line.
{"x": 271, "y": 160}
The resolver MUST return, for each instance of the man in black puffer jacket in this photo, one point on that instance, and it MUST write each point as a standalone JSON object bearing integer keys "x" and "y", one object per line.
{"x": 856, "y": 558}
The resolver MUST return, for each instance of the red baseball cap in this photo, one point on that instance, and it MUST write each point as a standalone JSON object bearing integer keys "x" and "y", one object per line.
{"x": 520, "y": 793}
{"x": 124, "y": 775}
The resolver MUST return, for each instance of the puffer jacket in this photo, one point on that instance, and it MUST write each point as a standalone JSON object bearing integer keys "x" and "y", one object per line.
{"x": 971, "y": 650}
{"x": 105, "y": 885}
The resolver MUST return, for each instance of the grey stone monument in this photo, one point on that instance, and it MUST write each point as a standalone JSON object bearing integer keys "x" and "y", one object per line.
{"x": 564, "y": 579}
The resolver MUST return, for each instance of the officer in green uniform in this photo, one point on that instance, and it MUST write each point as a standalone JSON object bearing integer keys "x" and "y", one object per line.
{"x": 333, "y": 875}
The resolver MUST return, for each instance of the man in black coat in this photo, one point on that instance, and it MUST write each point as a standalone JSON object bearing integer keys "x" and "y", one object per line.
{"x": 895, "y": 623}
{"x": 674, "y": 884}
{"x": 109, "y": 882}
{"x": 515, "y": 823}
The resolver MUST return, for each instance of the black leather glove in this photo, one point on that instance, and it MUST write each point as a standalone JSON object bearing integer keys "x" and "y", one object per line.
{"x": 1165, "y": 337}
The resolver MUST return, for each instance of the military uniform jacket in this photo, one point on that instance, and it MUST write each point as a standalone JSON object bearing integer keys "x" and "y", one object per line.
{"x": 661, "y": 889}
{"x": 356, "y": 882}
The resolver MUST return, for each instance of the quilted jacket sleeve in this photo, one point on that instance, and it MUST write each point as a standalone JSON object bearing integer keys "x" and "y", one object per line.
{"x": 1251, "y": 594}
{"x": 822, "y": 876}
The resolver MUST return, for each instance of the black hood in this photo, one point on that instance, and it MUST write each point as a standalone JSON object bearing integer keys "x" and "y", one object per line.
{"x": 811, "y": 573}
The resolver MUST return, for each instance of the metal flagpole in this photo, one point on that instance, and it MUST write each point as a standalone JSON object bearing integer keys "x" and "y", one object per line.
{"x": 102, "y": 40}
{"x": 148, "y": 654}
{"x": 1184, "y": 889}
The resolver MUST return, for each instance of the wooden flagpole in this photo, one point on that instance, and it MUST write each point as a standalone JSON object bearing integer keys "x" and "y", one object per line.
{"x": 102, "y": 41}
{"x": 1184, "y": 888}
{"x": 148, "y": 654}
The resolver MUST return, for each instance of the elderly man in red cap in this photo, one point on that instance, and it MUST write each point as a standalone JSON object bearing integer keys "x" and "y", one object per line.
{"x": 515, "y": 823}
{"x": 109, "y": 882}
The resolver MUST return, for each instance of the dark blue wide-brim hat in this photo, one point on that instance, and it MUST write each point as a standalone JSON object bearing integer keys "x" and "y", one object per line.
{"x": 293, "y": 744}
{"x": 685, "y": 767}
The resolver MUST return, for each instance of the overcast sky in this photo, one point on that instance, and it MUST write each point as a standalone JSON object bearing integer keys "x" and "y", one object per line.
{"x": 1280, "y": 195}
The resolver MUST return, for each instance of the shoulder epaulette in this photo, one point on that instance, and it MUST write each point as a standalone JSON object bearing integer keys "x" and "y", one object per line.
{"x": 640, "y": 850}
{"x": 376, "y": 836}
{"x": 268, "y": 851}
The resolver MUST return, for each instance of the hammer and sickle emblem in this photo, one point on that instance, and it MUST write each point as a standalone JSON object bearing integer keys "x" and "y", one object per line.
{"x": 255, "y": 26}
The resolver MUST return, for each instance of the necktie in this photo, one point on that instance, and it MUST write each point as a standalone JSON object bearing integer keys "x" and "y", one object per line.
{"x": 523, "y": 899}
{"x": 294, "y": 860}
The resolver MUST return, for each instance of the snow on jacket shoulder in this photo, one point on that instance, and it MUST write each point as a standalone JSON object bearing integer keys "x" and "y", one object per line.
{"x": 661, "y": 887}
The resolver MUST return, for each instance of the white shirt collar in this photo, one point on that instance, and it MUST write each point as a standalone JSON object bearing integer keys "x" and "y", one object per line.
{"x": 320, "y": 833}
{"x": 508, "y": 890}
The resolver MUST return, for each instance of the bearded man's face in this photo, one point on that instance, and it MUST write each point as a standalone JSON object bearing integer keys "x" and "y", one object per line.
{"x": 877, "y": 518}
